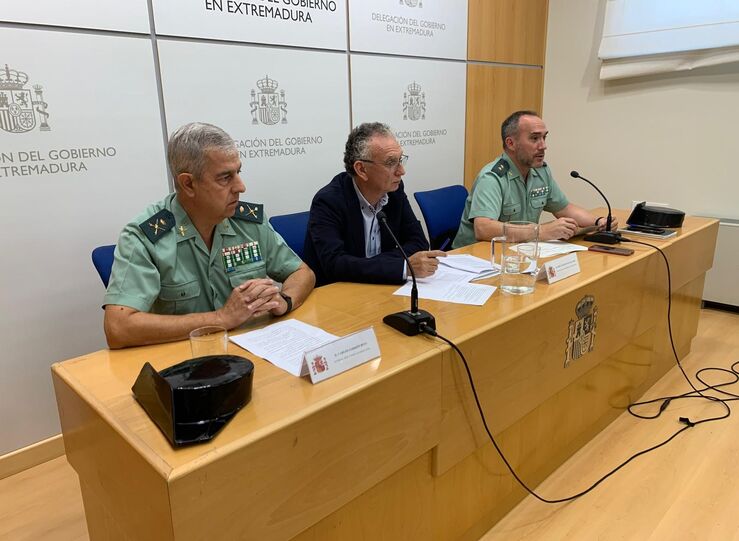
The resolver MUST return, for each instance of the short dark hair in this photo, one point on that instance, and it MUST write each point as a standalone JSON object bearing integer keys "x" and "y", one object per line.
{"x": 357, "y": 147}
{"x": 509, "y": 128}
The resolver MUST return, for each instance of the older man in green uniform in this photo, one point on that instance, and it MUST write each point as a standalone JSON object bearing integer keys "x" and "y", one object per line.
{"x": 200, "y": 256}
{"x": 518, "y": 186}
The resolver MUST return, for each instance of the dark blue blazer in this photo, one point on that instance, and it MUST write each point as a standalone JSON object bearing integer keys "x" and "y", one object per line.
{"x": 334, "y": 242}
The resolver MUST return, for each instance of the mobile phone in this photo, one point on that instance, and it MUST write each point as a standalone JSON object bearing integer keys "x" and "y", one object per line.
{"x": 610, "y": 249}
{"x": 646, "y": 229}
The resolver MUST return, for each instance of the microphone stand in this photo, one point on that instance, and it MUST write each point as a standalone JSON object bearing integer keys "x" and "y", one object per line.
{"x": 413, "y": 321}
{"x": 603, "y": 237}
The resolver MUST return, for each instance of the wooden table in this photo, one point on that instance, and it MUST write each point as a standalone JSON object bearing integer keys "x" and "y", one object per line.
{"x": 393, "y": 449}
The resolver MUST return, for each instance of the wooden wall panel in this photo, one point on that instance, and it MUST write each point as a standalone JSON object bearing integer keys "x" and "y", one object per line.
{"x": 494, "y": 92}
{"x": 508, "y": 31}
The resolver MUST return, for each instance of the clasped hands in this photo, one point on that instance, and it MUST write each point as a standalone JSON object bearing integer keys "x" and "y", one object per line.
{"x": 251, "y": 299}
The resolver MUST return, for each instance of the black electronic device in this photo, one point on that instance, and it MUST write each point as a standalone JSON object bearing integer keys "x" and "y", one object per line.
{"x": 410, "y": 322}
{"x": 607, "y": 236}
{"x": 649, "y": 232}
{"x": 191, "y": 401}
{"x": 646, "y": 229}
{"x": 660, "y": 217}
{"x": 616, "y": 250}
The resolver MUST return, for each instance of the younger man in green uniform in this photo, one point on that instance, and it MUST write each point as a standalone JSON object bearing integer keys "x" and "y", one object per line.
{"x": 200, "y": 256}
{"x": 518, "y": 186}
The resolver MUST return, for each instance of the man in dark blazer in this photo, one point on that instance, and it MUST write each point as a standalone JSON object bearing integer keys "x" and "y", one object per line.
{"x": 345, "y": 242}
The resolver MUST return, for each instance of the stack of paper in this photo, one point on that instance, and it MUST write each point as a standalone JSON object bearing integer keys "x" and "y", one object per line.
{"x": 479, "y": 267}
{"x": 450, "y": 282}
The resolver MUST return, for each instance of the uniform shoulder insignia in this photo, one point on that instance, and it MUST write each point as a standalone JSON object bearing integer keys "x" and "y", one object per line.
{"x": 501, "y": 168}
{"x": 251, "y": 212}
{"x": 155, "y": 227}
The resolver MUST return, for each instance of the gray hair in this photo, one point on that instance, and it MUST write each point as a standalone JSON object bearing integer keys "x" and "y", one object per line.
{"x": 188, "y": 145}
{"x": 357, "y": 145}
{"x": 509, "y": 128}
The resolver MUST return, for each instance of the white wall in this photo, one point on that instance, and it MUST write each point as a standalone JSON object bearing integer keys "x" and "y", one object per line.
{"x": 669, "y": 138}
{"x": 58, "y": 200}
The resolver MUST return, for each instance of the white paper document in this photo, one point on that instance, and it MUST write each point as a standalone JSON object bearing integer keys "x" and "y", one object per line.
{"x": 477, "y": 267}
{"x": 558, "y": 247}
{"x": 450, "y": 291}
{"x": 283, "y": 343}
{"x": 447, "y": 274}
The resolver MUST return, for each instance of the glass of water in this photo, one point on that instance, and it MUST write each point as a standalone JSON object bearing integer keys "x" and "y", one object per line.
{"x": 519, "y": 255}
{"x": 211, "y": 340}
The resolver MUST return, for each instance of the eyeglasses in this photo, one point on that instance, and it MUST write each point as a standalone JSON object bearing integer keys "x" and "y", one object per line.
{"x": 392, "y": 165}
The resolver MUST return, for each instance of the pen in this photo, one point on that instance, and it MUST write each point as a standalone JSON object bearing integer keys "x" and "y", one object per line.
{"x": 444, "y": 244}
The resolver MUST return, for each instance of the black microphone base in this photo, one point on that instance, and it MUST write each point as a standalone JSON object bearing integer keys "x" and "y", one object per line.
{"x": 409, "y": 323}
{"x": 604, "y": 237}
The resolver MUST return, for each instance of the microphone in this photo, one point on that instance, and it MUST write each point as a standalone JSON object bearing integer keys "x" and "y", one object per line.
{"x": 607, "y": 236}
{"x": 413, "y": 321}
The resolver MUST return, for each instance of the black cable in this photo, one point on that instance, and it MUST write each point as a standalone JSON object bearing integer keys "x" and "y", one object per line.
{"x": 665, "y": 401}
{"x": 695, "y": 393}
{"x": 432, "y": 332}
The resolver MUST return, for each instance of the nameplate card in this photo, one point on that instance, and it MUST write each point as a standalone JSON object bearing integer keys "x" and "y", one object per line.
{"x": 560, "y": 268}
{"x": 340, "y": 355}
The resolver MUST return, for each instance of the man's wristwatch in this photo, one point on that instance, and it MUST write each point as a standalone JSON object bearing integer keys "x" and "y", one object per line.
{"x": 289, "y": 302}
{"x": 598, "y": 219}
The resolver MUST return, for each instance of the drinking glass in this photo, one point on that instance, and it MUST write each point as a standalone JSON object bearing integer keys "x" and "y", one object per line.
{"x": 211, "y": 340}
{"x": 519, "y": 254}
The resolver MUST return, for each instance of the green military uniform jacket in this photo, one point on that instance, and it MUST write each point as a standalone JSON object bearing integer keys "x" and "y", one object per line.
{"x": 162, "y": 265}
{"x": 500, "y": 193}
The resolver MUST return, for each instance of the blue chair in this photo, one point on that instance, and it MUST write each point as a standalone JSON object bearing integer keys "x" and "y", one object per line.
{"x": 292, "y": 228}
{"x": 102, "y": 258}
{"x": 442, "y": 211}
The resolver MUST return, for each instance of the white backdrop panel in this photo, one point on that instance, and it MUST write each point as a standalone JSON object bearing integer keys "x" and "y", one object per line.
{"x": 128, "y": 15}
{"x": 423, "y": 101}
{"x": 314, "y": 23}
{"x": 80, "y": 153}
{"x": 433, "y": 28}
{"x": 287, "y": 110}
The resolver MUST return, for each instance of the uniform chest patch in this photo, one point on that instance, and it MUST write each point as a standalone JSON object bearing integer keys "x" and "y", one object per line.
{"x": 241, "y": 254}
{"x": 539, "y": 192}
